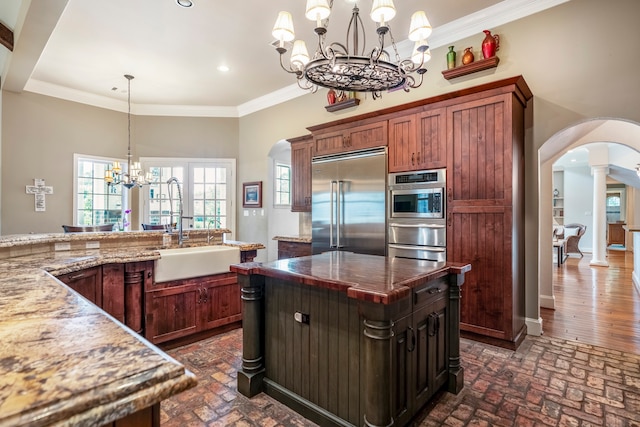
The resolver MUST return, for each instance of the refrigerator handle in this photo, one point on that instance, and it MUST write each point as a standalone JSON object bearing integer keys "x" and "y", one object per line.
{"x": 338, "y": 216}
{"x": 331, "y": 219}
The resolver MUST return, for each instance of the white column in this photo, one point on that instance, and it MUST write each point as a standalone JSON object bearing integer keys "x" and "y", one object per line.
{"x": 599, "y": 215}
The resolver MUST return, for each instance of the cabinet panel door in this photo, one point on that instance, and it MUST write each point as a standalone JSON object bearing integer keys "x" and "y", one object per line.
{"x": 301, "y": 176}
{"x": 438, "y": 346}
{"x": 113, "y": 290}
{"x": 87, "y": 282}
{"x": 483, "y": 238}
{"x": 480, "y": 151}
{"x": 172, "y": 312}
{"x": 402, "y": 143}
{"x": 431, "y": 143}
{"x": 422, "y": 323}
{"x": 328, "y": 143}
{"x": 366, "y": 136}
{"x": 221, "y": 303}
{"x": 403, "y": 342}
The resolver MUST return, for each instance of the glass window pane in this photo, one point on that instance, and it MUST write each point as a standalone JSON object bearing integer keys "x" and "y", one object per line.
{"x": 198, "y": 191}
{"x": 221, "y": 175}
{"x": 198, "y": 207}
{"x": 221, "y": 191}
{"x": 198, "y": 175}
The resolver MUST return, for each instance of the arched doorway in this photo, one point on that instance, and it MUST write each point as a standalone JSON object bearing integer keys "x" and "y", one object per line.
{"x": 601, "y": 130}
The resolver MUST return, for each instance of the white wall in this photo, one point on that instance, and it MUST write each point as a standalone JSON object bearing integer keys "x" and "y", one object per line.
{"x": 578, "y": 200}
{"x": 281, "y": 221}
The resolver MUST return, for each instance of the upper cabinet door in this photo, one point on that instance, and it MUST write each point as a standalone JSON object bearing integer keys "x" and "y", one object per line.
{"x": 431, "y": 145}
{"x": 418, "y": 141}
{"x": 301, "y": 175}
{"x": 402, "y": 143}
{"x": 350, "y": 139}
{"x": 480, "y": 152}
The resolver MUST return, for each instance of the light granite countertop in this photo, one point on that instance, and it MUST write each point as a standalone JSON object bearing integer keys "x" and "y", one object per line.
{"x": 63, "y": 360}
{"x": 293, "y": 239}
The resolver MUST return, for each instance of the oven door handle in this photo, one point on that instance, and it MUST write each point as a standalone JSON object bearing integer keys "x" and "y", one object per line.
{"x": 395, "y": 224}
{"x": 417, "y": 247}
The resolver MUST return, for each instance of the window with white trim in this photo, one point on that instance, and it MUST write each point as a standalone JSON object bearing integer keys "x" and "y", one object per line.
{"x": 282, "y": 185}
{"x": 94, "y": 201}
{"x": 207, "y": 187}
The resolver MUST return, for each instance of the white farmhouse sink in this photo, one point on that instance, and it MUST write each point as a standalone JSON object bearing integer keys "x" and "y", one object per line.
{"x": 183, "y": 263}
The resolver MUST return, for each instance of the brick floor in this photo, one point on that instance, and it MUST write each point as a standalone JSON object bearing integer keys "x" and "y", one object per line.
{"x": 546, "y": 382}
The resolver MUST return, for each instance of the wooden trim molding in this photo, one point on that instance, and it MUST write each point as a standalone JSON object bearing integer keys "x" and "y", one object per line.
{"x": 6, "y": 37}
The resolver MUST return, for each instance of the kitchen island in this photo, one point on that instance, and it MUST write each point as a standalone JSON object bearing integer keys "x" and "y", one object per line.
{"x": 349, "y": 339}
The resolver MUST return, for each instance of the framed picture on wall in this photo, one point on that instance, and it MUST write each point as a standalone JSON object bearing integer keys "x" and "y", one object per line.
{"x": 252, "y": 194}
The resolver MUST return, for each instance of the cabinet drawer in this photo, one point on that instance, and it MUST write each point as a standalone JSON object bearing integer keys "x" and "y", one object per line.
{"x": 429, "y": 293}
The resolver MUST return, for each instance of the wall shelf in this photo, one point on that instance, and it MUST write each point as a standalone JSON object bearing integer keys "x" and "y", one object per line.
{"x": 479, "y": 65}
{"x": 351, "y": 102}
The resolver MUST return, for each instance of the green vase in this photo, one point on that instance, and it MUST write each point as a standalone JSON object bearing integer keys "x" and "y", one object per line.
{"x": 451, "y": 58}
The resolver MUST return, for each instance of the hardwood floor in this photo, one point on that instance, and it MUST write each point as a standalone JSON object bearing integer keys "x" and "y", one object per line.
{"x": 596, "y": 305}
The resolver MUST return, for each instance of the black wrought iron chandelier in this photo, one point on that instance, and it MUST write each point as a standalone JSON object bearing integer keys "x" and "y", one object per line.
{"x": 134, "y": 175}
{"x": 346, "y": 67}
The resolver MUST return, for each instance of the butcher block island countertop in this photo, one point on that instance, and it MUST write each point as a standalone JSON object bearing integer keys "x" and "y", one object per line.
{"x": 350, "y": 339}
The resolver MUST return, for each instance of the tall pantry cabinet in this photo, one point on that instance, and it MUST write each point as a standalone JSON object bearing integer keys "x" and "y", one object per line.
{"x": 485, "y": 208}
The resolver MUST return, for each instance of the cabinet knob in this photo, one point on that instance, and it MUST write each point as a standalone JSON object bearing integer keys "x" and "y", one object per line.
{"x": 413, "y": 160}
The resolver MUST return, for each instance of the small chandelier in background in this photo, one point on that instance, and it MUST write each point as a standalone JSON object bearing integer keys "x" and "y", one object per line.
{"x": 347, "y": 67}
{"x": 134, "y": 175}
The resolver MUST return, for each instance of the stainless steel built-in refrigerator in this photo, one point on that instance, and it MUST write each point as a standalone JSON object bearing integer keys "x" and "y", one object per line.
{"x": 349, "y": 202}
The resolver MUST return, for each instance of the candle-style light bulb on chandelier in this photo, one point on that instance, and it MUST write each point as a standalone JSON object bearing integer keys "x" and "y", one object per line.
{"x": 134, "y": 175}
{"x": 346, "y": 66}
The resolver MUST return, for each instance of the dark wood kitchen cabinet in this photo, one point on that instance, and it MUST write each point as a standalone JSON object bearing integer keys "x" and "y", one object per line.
{"x": 181, "y": 308}
{"x": 87, "y": 282}
{"x": 418, "y": 140}
{"x": 293, "y": 249}
{"x": 485, "y": 208}
{"x": 349, "y": 137}
{"x": 123, "y": 291}
{"x": 301, "y": 149}
{"x": 419, "y": 359}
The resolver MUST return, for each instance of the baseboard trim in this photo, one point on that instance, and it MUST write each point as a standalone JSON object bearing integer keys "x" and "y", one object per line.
{"x": 534, "y": 326}
{"x": 599, "y": 263}
{"x": 548, "y": 301}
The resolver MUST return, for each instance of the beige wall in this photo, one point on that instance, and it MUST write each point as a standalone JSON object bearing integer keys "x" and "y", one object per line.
{"x": 578, "y": 59}
{"x": 40, "y": 135}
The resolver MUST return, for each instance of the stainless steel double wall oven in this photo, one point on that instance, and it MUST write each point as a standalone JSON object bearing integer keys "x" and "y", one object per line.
{"x": 416, "y": 219}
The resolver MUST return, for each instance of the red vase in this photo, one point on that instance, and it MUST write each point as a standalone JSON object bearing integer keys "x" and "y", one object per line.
{"x": 490, "y": 44}
{"x": 331, "y": 97}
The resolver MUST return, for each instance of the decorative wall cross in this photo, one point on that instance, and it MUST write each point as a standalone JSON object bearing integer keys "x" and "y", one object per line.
{"x": 39, "y": 190}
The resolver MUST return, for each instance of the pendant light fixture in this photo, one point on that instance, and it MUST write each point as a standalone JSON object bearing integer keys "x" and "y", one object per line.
{"x": 134, "y": 176}
{"x": 347, "y": 67}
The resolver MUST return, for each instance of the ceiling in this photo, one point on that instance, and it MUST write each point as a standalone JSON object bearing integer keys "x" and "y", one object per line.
{"x": 174, "y": 52}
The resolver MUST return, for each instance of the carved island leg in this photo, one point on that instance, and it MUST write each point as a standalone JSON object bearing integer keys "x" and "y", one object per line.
{"x": 456, "y": 371}
{"x": 251, "y": 373}
{"x": 377, "y": 373}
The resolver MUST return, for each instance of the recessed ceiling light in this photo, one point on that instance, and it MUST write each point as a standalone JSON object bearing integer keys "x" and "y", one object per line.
{"x": 184, "y": 3}
{"x": 223, "y": 68}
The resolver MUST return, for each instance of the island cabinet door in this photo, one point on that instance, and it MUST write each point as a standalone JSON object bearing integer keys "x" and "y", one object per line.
{"x": 419, "y": 366}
